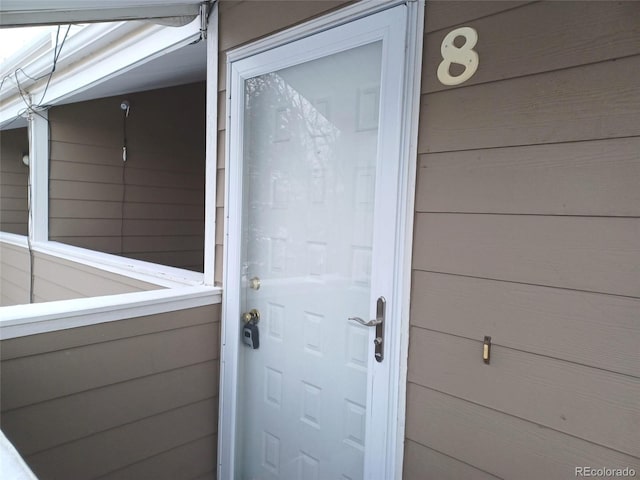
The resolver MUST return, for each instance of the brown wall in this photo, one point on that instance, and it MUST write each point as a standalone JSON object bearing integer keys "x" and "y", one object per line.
{"x": 14, "y": 181}
{"x": 56, "y": 278}
{"x": 162, "y": 219}
{"x": 527, "y": 230}
{"x": 132, "y": 399}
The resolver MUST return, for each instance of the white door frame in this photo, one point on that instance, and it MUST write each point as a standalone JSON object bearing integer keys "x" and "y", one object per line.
{"x": 389, "y": 465}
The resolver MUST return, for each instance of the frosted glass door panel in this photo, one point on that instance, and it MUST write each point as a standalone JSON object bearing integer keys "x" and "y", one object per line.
{"x": 309, "y": 161}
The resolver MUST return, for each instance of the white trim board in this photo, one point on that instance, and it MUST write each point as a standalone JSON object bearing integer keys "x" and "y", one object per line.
{"x": 409, "y": 156}
{"x": 36, "y": 318}
{"x": 211, "y": 150}
{"x": 38, "y": 176}
{"x": 180, "y": 293}
{"x": 14, "y": 239}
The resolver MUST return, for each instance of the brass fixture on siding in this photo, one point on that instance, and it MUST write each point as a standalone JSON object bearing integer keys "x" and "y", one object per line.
{"x": 486, "y": 350}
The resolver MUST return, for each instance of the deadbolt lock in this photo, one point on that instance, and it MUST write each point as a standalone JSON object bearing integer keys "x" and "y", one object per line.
{"x": 254, "y": 283}
{"x": 252, "y": 316}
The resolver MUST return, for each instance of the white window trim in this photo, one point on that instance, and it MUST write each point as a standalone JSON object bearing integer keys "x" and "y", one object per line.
{"x": 39, "y": 176}
{"x": 211, "y": 149}
{"x": 39, "y": 163}
{"x": 93, "y": 56}
{"x": 183, "y": 288}
{"x": 14, "y": 239}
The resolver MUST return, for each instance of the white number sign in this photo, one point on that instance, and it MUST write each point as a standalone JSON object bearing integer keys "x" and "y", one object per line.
{"x": 464, "y": 55}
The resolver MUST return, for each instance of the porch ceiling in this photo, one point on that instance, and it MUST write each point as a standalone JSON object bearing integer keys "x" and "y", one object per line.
{"x": 106, "y": 59}
{"x": 182, "y": 66}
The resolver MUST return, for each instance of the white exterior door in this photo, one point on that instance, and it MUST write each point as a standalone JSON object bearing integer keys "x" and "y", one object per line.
{"x": 312, "y": 203}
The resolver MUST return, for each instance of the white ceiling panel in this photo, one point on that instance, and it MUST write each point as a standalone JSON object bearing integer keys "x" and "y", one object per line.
{"x": 186, "y": 65}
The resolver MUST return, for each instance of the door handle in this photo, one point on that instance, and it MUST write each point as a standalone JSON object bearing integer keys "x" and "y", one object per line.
{"x": 378, "y": 322}
{"x": 252, "y": 316}
{"x": 370, "y": 323}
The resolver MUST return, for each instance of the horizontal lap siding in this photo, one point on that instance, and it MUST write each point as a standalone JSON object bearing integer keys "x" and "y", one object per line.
{"x": 135, "y": 398}
{"x": 584, "y": 178}
{"x": 527, "y": 229}
{"x": 14, "y": 181}
{"x": 59, "y": 279}
{"x": 158, "y": 215}
{"x": 56, "y": 279}
{"x": 423, "y": 463}
{"x": 14, "y": 275}
{"x": 185, "y": 461}
{"x": 586, "y": 103}
{"x": 503, "y": 445}
{"x": 598, "y": 254}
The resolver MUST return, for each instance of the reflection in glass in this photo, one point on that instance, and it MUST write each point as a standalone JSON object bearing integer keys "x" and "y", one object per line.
{"x": 309, "y": 151}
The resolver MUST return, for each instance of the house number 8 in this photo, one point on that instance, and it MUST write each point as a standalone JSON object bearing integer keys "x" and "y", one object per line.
{"x": 464, "y": 55}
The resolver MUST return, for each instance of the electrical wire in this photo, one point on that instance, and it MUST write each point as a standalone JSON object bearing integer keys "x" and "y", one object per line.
{"x": 8, "y": 75}
{"x": 24, "y": 95}
{"x": 29, "y": 226}
{"x": 125, "y": 115}
{"x": 56, "y": 55}
{"x": 32, "y": 109}
{"x": 29, "y": 245}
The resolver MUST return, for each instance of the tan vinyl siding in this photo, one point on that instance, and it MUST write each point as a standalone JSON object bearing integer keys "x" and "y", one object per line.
{"x": 59, "y": 279}
{"x": 135, "y": 398}
{"x": 14, "y": 275}
{"x": 162, "y": 218}
{"x": 14, "y": 181}
{"x": 527, "y": 229}
{"x": 56, "y": 278}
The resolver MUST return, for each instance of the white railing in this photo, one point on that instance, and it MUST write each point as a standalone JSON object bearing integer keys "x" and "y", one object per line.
{"x": 177, "y": 290}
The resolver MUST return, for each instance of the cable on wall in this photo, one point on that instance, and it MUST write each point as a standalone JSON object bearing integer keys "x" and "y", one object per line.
{"x": 30, "y": 222}
{"x": 125, "y": 106}
{"x": 29, "y": 246}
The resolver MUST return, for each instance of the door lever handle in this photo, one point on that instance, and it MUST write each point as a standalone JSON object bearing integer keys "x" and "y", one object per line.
{"x": 370, "y": 323}
{"x": 378, "y": 322}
